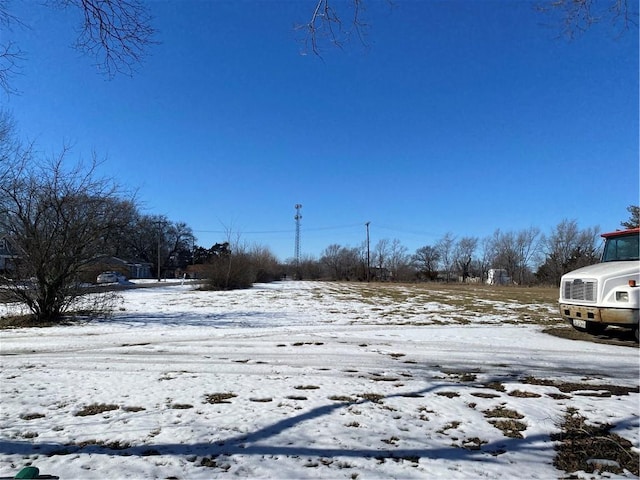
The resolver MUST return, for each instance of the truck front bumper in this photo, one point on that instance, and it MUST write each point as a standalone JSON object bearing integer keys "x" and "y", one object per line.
{"x": 608, "y": 316}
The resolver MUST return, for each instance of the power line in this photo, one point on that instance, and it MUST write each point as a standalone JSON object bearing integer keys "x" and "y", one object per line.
{"x": 336, "y": 227}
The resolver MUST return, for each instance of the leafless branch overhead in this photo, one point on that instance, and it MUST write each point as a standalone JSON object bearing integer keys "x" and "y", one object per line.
{"x": 116, "y": 32}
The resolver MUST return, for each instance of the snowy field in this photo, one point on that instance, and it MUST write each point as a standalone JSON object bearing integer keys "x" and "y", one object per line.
{"x": 303, "y": 380}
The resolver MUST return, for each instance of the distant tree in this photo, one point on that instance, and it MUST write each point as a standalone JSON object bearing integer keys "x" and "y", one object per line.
{"x": 308, "y": 268}
{"x": 504, "y": 252}
{"x": 341, "y": 263}
{"x": 203, "y": 255}
{"x": 527, "y": 244}
{"x": 57, "y": 220}
{"x": 445, "y": 247}
{"x": 426, "y": 262}
{"x": 399, "y": 262}
{"x": 566, "y": 248}
{"x": 153, "y": 238}
{"x": 634, "y": 217}
{"x": 515, "y": 252}
{"x": 178, "y": 240}
{"x": 463, "y": 254}
{"x": 380, "y": 258}
{"x": 485, "y": 259}
{"x": 265, "y": 264}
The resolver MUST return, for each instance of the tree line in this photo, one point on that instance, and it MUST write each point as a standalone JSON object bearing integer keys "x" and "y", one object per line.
{"x": 527, "y": 256}
{"x": 62, "y": 221}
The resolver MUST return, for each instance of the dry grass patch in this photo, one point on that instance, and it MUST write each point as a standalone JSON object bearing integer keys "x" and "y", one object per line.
{"x": 571, "y": 387}
{"x": 32, "y": 416}
{"x": 296, "y": 397}
{"x": 96, "y": 409}
{"x": 214, "y": 398}
{"x": 343, "y": 398}
{"x": 510, "y": 428}
{"x": 448, "y": 394}
{"x": 485, "y": 395}
{"x": 524, "y": 394}
{"x": 372, "y": 397}
{"x": 133, "y": 409}
{"x": 460, "y": 302}
{"x": 449, "y": 426}
{"x": 473, "y": 443}
{"x": 588, "y": 448}
{"x": 501, "y": 412}
{"x": 507, "y": 421}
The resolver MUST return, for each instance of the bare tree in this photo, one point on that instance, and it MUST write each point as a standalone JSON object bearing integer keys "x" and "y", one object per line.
{"x": 380, "y": 258}
{"x": 56, "y": 220}
{"x": 341, "y": 262}
{"x": 117, "y": 33}
{"x": 463, "y": 254}
{"x": 426, "y": 261}
{"x": 527, "y": 243}
{"x": 399, "y": 261}
{"x": 504, "y": 252}
{"x": 566, "y": 248}
{"x": 445, "y": 247}
{"x": 485, "y": 258}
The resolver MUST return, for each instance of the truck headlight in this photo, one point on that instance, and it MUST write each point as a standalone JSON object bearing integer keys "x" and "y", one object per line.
{"x": 622, "y": 296}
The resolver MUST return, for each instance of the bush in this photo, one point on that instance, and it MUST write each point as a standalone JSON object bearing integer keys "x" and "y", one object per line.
{"x": 241, "y": 270}
{"x": 230, "y": 272}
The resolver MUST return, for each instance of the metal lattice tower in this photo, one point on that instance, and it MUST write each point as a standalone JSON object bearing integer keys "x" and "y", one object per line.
{"x": 298, "y": 217}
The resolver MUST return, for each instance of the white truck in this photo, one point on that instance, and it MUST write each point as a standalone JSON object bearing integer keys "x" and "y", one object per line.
{"x": 607, "y": 293}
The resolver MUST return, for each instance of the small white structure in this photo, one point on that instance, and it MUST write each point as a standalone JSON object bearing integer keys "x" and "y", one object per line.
{"x": 498, "y": 276}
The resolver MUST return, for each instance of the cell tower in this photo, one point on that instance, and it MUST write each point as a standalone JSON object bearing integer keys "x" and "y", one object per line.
{"x": 298, "y": 217}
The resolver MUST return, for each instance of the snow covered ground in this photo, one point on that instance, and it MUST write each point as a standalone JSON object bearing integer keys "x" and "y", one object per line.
{"x": 301, "y": 380}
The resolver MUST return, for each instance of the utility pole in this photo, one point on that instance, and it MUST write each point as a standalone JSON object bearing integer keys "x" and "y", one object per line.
{"x": 159, "y": 245}
{"x": 297, "y": 218}
{"x": 160, "y": 223}
{"x": 368, "y": 255}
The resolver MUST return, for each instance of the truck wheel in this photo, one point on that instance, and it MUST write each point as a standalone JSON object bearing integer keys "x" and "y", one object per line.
{"x": 595, "y": 328}
{"x": 635, "y": 332}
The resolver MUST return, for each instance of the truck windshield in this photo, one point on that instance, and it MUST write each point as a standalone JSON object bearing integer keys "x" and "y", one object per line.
{"x": 621, "y": 248}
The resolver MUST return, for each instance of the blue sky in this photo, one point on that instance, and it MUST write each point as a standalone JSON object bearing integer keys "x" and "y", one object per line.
{"x": 456, "y": 116}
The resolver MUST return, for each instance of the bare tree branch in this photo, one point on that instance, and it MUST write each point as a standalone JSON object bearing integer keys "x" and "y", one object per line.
{"x": 577, "y": 16}
{"x": 10, "y": 53}
{"x": 326, "y": 24}
{"x": 116, "y": 32}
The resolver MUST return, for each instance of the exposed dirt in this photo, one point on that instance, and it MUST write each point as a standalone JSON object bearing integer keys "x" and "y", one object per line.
{"x": 611, "y": 336}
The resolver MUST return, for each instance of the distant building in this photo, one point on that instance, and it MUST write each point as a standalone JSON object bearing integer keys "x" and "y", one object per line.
{"x": 130, "y": 269}
{"x": 498, "y": 276}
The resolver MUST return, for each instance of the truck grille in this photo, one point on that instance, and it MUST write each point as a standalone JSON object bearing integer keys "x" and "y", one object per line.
{"x": 578, "y": 289}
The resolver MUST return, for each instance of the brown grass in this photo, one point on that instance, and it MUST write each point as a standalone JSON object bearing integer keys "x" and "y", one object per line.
{"x": 96, "y": 409}
{"x": 214, "y": 398}
{"x": 592, "y": 447}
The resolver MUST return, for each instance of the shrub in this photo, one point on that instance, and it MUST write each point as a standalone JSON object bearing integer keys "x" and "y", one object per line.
{"x": 241, "y": 269}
